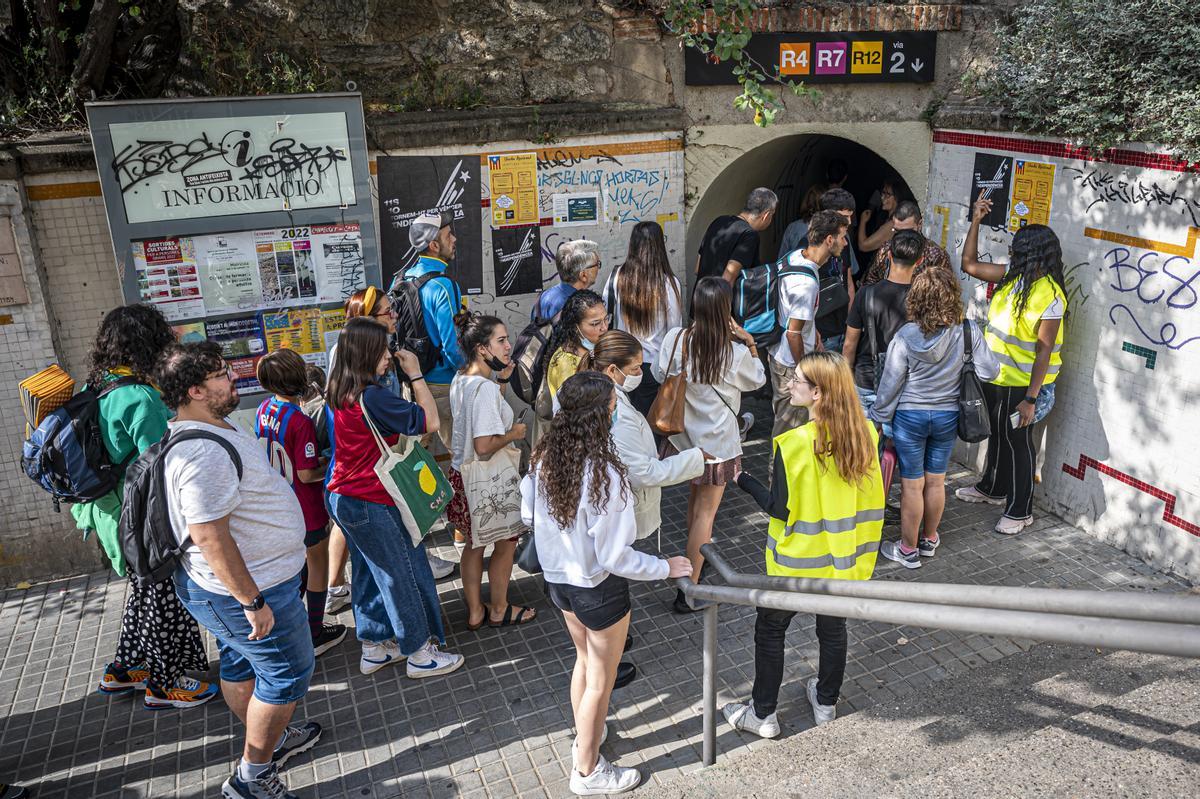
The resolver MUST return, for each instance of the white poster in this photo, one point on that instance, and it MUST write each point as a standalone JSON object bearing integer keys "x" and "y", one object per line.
{"x": 193, "y": 168}
{"x": 167, "y": 277}
{"x": 572, "y": 210}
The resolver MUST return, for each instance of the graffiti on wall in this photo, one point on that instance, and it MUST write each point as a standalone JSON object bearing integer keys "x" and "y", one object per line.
{"x": 1100, "y": 185}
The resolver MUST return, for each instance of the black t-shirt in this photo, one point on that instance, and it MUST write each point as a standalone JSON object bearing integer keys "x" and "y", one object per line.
{"x": 887, "y": 304}
{"x": 728, "y": 238}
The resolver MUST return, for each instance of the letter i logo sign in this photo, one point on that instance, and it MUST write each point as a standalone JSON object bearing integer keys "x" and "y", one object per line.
{"x": 794, "y": 59}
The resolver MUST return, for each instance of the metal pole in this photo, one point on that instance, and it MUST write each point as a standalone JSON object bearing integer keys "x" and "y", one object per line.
{"x": 710, "y": 685}
{"x": 1163, "y": 638}
{"x": 1135, "y": 605}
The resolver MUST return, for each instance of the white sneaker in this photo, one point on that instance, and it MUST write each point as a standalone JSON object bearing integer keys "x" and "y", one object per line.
{"x": 604, "y": 779}
{"x": 430, "y": 661}
{"x": 440, "y": 568}
{"x": 376, "y": 656}
{"x": 823, "y": 714}
{"x": 973, "y": 494}
{"x": 746, "y": 421}
{"x": 743, "y": 717}
{"x": 338, "y": 599}
{"x": 1009, "y": 526}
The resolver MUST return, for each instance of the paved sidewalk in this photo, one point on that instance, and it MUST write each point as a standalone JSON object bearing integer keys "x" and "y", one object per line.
{"x": 501, "y": 726}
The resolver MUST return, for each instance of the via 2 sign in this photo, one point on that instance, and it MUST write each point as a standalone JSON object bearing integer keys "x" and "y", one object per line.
{"x": 904, "y": 57}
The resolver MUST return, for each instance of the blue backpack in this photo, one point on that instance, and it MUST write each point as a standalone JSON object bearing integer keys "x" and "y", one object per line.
{"x": 66, "y": 455}
{"x": 756, "y": 296}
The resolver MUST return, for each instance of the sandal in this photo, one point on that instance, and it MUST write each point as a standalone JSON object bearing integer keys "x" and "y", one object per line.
{"x": 479, "y": 626}
{"x": 509, "y": 619}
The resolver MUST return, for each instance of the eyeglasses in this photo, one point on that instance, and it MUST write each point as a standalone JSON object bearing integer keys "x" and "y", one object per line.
{"x": 795, "y": 378}
{"x": 386, "y": 310}
{"x": 226, "y": 372}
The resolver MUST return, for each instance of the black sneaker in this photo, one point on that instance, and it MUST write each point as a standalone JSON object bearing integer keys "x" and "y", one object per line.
{"x": 265, "y": 786}
{"x": 330, "y": 636}
{"x": 296, "y": 740}
{"x": 626, "y": 673}
{"x": 17, "y": 792}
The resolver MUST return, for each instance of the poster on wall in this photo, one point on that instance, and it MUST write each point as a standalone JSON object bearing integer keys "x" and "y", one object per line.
{"x": 413, "y": 184}
{"x": 1032, "y": 194}
{"x": 242, "y": 344}
{"x": 570, "y": 210}
{"x": 297, "y": 330}
{"x": 514, "y": 189}
{"x": 167, "y": 277}
{"x": 517, "y": 260}
{"x": 990, "y": 179}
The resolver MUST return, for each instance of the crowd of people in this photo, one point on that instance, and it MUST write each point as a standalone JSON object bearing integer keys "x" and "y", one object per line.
{"x": 865, "y": 359}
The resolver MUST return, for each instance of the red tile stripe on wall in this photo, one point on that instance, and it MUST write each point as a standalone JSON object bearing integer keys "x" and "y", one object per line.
{"x": 1169, "y": 499}
{"x": 1062, "y": 150}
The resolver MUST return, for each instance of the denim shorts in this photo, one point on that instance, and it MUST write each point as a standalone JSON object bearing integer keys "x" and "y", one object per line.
{"x": 280, "y": 664}
{"x": 598, "y": 607}
{"x": 924, "y": 440}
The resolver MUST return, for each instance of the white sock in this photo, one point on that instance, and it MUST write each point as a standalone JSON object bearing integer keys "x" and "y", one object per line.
{"x": 248, "y": 772}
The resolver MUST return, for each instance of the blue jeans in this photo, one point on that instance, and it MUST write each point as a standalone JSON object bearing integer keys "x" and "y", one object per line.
{"x": 393, "y": 592}
{"x": 280, "y": 664}
{"x": 924, "y": 440}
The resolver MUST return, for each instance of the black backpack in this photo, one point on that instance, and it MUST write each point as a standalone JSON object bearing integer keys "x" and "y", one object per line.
{"x": 530, "y": 355}
{"x": 147, "y": 538}
{"x": 65, "y": 454}
{"x": 412, "y": 330}
{"x": 973, "y": 423}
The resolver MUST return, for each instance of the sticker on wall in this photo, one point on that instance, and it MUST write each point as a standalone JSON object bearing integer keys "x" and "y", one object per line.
{"x": 571, "y": 210}
{"x": 1032, "y": 194}
{"x": 514, "y": 189}
{"x": 990, "y": 179}
{"x": 517, "y": 260}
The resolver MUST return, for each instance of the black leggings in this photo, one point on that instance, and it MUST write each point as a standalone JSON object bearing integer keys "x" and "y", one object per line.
{"x": 769, "y": 631}
{"x": 1008, "y": 469}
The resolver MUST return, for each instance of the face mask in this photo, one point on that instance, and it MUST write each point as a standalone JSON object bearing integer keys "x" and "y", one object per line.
{"x": 613, "y": 421}
{"x": 587, "y": 345}
{"x": 494, "y": 363}
{"x": 631, "y": 381}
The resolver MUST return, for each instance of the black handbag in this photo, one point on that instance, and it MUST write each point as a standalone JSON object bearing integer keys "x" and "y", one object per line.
{"x": 834, "y": 296}
{"x": 973, "y": 423}
{"x": 526, "y": 555}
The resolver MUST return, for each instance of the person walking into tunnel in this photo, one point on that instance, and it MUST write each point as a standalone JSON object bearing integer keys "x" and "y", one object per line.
{"x": 869, "y": 242}
{"x": 731, "y": 243}
{"x": 583, "y": 320}
{"x": 799, "y": 291}
{"x": 485, "y": 430}
{"x": 826, "y": 513}
{"x": 919, "y": 394}
{"x": 159, "y": 640}
{"x": 578, "y": 500}
{"x": 836, "y": 172}
{"x": 1025, "y": 331}
{"x": 578, "y": 266}
{"x": 721, "y": 361}
{"x": 645, "y": 300}
{"x": 879, "y": 310}
{"x": 906, "y": 217}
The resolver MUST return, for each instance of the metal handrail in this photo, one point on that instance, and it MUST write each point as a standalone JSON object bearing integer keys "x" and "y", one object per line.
{"x": 1112, "y": 620}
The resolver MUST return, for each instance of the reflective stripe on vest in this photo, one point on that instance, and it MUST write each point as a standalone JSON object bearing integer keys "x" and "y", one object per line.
{"x": 843, "y": 540}
{"x": 1014, "y": 340}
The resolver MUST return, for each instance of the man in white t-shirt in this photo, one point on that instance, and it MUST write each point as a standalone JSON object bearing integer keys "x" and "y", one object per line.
{"x": 799, "y": 291}
{"x": 243, "y": 548}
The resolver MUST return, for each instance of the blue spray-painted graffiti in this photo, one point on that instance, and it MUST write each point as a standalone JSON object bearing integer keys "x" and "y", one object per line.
{"x": 1152, "y": 279}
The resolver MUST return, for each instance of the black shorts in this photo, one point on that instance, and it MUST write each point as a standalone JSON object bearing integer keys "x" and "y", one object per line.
{"x": 314, "y": 537}
{"x": 596, "y": 608}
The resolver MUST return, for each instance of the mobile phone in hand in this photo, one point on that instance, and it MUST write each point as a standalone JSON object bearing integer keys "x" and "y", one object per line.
{"x": 1015, "y": 419}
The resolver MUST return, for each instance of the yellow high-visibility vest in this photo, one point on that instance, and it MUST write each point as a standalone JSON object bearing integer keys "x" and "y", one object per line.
{"x": 1014, "y": 338}
{"x": 833, "y": 526}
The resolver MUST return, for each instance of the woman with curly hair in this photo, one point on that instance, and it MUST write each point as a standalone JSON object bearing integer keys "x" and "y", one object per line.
{"x": 1025, "y": 331}
{"x": 583, "y": 321}
{"x": 918, "y": 394}
{"x": 825, "y": 506}
{"x": 578, "y": 500}
{"x": 159, "y": 640}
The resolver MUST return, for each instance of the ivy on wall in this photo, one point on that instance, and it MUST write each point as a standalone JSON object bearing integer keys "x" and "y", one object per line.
{"x": 1100, "y": 72}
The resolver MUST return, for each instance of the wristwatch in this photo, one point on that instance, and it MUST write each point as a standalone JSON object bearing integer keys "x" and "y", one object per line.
{"x": 1032, "y": 400}
{"x": 258, "y": 603}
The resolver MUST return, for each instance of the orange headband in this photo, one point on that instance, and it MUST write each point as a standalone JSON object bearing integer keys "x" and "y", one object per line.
{"x": 369, "y": 299}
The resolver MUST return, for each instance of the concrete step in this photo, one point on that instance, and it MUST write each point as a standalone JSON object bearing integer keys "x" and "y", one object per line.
{"x": 1014, "y": 710}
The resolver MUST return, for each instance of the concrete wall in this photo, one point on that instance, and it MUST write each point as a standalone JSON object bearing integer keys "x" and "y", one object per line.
{"x": 1120, "y": 452}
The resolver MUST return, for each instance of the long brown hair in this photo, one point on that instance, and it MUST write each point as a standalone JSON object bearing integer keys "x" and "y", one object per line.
{"x": 710, "y": 348}
{"x": 842, "y": 434}
{"x": 578, "y": 442}
{"x": 934, "y": 301}
{"x": 361, "y": 345}
{"x": 614, "y": 348}
{"x": 645, "y": 276}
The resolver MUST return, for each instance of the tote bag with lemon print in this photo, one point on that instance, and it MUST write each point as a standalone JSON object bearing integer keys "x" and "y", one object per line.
{"x": 413, "y": 479}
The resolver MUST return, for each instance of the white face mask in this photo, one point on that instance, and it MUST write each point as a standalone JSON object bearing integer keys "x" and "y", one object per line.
{"x": 631, "y": 381}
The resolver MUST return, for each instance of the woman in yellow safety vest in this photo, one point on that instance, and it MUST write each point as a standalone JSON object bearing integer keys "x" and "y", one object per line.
{"x": 1025, "y": 332}
{"x": 826, "y": 509}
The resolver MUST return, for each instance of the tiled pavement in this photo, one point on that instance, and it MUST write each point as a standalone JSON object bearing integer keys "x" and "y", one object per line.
{"x": 501, "y": 726}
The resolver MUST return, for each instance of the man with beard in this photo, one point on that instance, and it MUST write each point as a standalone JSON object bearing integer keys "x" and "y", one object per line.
{"x": 241, "y": 532}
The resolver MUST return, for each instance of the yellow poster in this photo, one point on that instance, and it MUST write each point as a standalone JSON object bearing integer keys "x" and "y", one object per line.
{"x": 1032, "y": 193}
{"x": 332, "y": 323}
{"x": 514, "y": 189}
{"x": 299, "y": 331}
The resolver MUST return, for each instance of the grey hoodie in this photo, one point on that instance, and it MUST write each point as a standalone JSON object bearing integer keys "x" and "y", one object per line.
{"x": 922, "y": 372}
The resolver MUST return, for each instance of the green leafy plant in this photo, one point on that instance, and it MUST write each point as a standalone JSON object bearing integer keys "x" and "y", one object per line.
{"x": 1099, "y": 72}
{"x": 724, "y": 38}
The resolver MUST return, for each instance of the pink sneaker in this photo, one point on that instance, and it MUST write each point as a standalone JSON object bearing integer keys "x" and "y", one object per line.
{"x": 973, "y": 494}
{"x": 1009, "y": 526}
